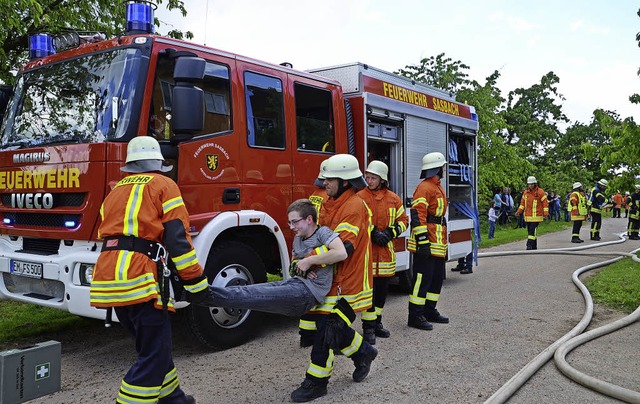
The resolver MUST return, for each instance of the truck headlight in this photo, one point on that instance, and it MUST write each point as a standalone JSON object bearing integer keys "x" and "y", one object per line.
{"x": 86, "y": 274}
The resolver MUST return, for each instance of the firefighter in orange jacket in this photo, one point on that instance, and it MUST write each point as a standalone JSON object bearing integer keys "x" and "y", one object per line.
{"x": 307, "y": 326}
{"x": 634, "y": 214}
{"x": 428, "y": 243}
{"x": 389, "y": 221}
{"x": 535, "y": 206}
{"x": 578, "y": 209}
{"x": 351, "y": 290}
{"x": 142, "y": 218}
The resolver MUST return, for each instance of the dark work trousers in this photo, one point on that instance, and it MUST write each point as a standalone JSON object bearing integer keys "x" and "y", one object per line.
{"x": 307, "y": 327}
{"x": 616, "y": 212}
{"x": 153, "y": 375}
{"x": 532, "y": 235}
{"x": 596, "y": 223}
{"x": 428, "y": 275}
{"x": 373, "y": 316}
{"x": 577, "y": 224}
{"x": 352, "y": 345}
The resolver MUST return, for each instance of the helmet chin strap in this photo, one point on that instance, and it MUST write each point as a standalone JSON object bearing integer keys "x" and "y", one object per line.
{"x": 342, "y": 187}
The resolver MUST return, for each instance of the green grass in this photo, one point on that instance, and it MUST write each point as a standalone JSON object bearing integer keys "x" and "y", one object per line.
{"x": 21, "y": 320}
{"x": 617, "y": 286}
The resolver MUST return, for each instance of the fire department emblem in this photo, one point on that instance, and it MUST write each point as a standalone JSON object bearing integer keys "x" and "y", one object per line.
{"x": 212, "y": 162}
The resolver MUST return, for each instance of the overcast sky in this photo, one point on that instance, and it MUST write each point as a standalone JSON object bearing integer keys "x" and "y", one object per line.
{"x": 590, "y": 45}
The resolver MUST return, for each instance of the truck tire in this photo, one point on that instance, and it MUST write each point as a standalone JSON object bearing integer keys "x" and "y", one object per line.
{"x": 230, "y": 263}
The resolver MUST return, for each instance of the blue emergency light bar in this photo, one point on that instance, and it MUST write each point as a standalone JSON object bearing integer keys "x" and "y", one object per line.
{"x": 40, "y": 45}
{"x": 140, "y": 17}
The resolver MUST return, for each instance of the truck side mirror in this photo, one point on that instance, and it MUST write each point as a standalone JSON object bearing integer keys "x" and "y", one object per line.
{"x": 187, "y": 100}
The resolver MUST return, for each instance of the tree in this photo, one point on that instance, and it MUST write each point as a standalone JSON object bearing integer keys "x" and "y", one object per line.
{"x": 21, "y": 18}
{"x": 440, "y": 72}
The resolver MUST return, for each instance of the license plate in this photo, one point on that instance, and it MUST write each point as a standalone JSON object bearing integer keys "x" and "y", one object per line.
{"x": 29, "y": 269}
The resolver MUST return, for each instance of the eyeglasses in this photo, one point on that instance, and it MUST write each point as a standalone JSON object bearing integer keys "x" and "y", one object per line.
{"x": 295, "y": 221}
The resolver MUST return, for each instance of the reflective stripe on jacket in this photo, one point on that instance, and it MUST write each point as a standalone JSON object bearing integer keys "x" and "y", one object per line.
{"x": 387, "y": 211}
{"x": 141, "y": 205}
{"x": 429, "y": 199}
{"x": 597, "y": 200}
{"x": 578, "y": 204}
{"x": 534, "y": 204}
{"x": 350, "y": 217}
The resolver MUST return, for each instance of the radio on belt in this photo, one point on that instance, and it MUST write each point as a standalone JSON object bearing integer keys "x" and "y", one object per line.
{"x": 30, "y": 372}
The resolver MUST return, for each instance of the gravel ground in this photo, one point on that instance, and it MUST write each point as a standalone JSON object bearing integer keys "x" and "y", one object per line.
{"x": 505, "y": 313}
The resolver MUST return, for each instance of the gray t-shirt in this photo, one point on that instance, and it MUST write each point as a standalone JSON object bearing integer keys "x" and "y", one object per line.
{"x": 301, "y": 247}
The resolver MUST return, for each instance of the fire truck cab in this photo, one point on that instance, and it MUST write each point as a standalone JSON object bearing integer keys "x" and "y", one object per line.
{"x": 245, "y": 138}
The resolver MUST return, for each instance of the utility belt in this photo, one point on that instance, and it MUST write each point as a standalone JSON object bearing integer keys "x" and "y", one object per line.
{"x": 155, "y": 252}
{"x": 437, "y": 220}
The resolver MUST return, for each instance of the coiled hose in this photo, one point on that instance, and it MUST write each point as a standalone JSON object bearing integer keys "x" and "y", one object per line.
{"x": 573, "y": 338}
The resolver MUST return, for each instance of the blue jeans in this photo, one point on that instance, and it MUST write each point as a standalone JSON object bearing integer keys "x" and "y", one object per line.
{"x": 492, "y": 229}
{"x": 289, "y": 297}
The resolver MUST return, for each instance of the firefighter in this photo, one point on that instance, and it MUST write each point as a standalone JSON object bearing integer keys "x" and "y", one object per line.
{"x": 578, "y": 209}
{"x": 634, "y": 215}
{"x": 535, "y": 207}
{"x": 351, "y": 290}
{"x": 142, "y": 217}
{"x": 626, "y": 201}
{"x": 428, "y": 243}
{"x": 389, "y": 221}
{"x": 596, "y": 203}
{"x": 307, "y": 324}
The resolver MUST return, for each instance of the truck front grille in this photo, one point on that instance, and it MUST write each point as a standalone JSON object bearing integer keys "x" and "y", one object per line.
{"x": 43, "y": 289}
{"x": 54, "y": 220}
{"x": 41, "y": 246}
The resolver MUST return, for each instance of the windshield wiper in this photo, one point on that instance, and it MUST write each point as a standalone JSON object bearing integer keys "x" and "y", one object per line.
{"x": 20, "y": 144}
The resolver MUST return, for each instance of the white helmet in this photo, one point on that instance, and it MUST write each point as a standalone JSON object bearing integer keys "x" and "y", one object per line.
{"x": 433, "y": 160}
{"x": 532, "y": 180}
{"x": 603, "y": 182}
{"x": 637, "y": 186}
{"x": 143, "y": 148}
{"x": 144, "y": 155}
{"x": 344, "y": 167}
{"x": 577, "y": 185}
{"x": 378, "y": 168}
{"x": 319, "y": 182}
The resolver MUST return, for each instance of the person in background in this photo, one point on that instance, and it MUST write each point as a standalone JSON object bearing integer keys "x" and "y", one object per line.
{"x": 389, "y": 220}
{"x": 492, "y": 219}
{"x": 634, "y": 215}
{"x": 617, "y": 204}
{"x": 465, "y": 264}
{"x": 578, "y": 206}
{"x": 596, "y": 203}
{"x": 535, "y": 207}
{"x": 625, "y": 203}
{"x": 428, "y": 243}
{"x": 144, "y": 216}
{"x": 499, "y": 202}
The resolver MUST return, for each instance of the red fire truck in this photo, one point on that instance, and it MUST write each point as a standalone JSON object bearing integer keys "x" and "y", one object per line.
{"x": 246, "y": 138}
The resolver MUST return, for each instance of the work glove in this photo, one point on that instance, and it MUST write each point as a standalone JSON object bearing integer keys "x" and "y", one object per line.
{"x": 390, "y": 233}
{"x": 204, "y": 297}
{"x": 293, "y": 267}
{"x": 383, "y": 238}
{"x": 424, "y": 250}
{"x": 341, "y": 317}
{"x": 375, "y": 236}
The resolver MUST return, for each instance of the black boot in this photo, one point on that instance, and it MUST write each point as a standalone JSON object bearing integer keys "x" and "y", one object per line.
{"x": 381, "y": 331}
{"x": 420, "y": 322}
{"x": 575, "y": 239}
{"x": 308, "y": 390}
{"x": 369, "y": 335}
{"x": 431, "y": 314}
{"x": 467, "y": 270}
{"x": 362, "y": 360}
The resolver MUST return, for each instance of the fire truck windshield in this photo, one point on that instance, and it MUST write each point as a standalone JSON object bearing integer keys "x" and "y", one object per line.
{"x": 88, "y": 99}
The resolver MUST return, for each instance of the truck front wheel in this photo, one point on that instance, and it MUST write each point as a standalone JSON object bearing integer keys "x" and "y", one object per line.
{"x": 230, "y": 263}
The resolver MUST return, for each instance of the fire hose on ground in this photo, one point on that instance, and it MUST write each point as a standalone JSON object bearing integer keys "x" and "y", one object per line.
{"x": 575, "y": 337}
